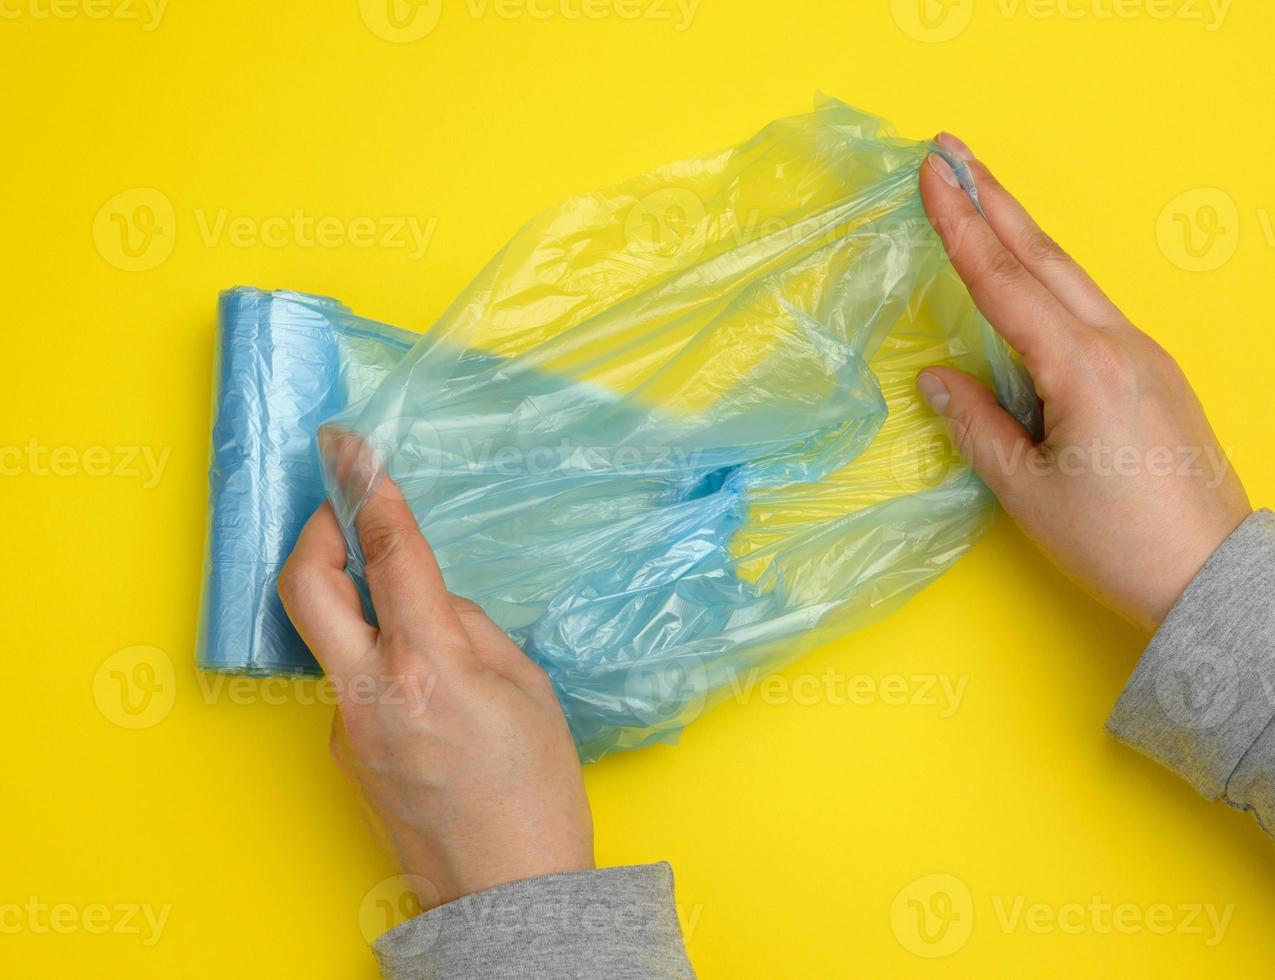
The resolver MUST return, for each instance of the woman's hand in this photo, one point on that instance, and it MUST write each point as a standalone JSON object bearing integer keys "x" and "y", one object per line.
{"x": 1129, "y": 491}
{"x": 454, "y": 737}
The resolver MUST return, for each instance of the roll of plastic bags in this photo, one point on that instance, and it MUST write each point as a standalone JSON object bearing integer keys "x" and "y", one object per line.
{"x": 285, "y": 361}
{"x": 669, "y": 437}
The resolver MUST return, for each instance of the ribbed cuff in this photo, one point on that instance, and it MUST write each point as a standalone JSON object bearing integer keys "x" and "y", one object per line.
{"x": 1202, "y": 698}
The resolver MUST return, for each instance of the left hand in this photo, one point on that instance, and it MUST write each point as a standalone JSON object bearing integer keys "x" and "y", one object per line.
{"x": 454, "y": 737}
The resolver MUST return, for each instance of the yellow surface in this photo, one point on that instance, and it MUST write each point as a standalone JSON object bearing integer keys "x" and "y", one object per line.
{"x": 800, "y": 815}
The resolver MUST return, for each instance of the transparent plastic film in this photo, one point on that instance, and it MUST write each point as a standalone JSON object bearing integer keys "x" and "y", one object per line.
{"x": 670, "y": 433}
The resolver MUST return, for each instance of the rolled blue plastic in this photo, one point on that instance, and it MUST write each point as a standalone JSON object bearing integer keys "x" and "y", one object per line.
{"x": 285, "y": 361}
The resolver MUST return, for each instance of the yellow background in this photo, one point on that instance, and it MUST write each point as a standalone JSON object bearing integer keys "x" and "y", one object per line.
{"x": 792, "y": 827}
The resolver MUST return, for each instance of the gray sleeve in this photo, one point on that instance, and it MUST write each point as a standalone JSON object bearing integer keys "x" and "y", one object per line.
{"x": 1202, "y": 698}
{"x": 613, "y": 923}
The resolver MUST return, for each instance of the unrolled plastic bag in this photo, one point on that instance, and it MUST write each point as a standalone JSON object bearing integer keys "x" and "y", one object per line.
{"x": 669, "y": 436}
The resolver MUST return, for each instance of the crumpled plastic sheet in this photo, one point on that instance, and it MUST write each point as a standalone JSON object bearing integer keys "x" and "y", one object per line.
{"x": 668, "y": 437}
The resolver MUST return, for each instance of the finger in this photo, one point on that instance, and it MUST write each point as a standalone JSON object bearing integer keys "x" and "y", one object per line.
{"x": 1021, "y": 309}
{"x": 1038, "y": 253}
{"x": 413, "y": 607}
{"x": 991, "y": 439}
{"x": 495, "y": 650}
{"x": 320, "y": 598}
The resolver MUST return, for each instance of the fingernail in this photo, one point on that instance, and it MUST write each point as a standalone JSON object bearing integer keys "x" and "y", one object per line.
{"x": 954, "y": 146}
{"x": 943, "y": 169}
{"x": 933, "y": 391}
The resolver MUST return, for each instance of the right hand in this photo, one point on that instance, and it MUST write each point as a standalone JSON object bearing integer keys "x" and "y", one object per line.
{"x": 1129, "y": 492}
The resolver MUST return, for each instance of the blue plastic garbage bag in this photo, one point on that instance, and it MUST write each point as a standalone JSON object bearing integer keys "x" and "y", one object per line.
{"x": 667, "y": 437}
{"x": 285, "y": 362}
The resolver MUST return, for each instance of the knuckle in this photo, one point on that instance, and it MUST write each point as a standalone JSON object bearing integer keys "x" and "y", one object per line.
{"x": 465, "y": 608}
{"x": 1040, "y": 247}
{"x": 964, "y": 429}
{"x": 292, "y": 583}
{"x": 1001, "y": 268}
{"x": 1112, "y": 364}
{"x": 381, "y": 542}
{"x": 957, "y": 234}
{"x": 1161, "y": 359}
{"x": 539, "y": 680}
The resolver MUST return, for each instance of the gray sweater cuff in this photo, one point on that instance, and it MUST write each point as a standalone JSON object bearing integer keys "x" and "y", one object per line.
{"x": 613, "y": 923}
{"x": 1202, "y": 698}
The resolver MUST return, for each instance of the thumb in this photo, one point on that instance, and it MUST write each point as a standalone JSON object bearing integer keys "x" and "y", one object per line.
{"x": 992, "y": 440}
